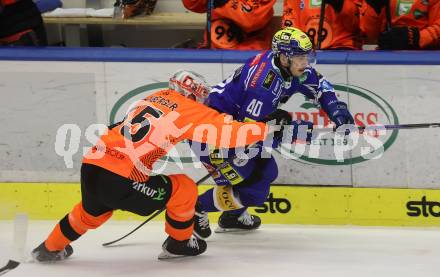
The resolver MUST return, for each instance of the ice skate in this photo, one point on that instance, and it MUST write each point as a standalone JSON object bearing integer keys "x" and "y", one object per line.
{"x": 201, "y": 223}
{"x": 43, "y": 255}
{"x": 177, "y": 249}
{"x": 229, "y": 222}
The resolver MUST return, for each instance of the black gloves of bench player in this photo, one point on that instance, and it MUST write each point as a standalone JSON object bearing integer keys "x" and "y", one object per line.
{"x": 400, "y": 38}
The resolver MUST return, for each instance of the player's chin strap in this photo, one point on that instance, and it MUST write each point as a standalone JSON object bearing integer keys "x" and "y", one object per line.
{"x": 218, "y": 168}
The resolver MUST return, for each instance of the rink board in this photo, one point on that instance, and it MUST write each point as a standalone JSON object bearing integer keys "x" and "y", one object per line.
{"x": 285, "y": 204}
{"x": 86, "y": 86}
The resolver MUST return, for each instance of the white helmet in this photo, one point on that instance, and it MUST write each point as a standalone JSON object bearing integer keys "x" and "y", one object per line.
{"x": 190, "y": 84}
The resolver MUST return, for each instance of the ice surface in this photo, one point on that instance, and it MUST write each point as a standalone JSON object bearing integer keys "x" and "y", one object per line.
{"x": 274, "y": 250}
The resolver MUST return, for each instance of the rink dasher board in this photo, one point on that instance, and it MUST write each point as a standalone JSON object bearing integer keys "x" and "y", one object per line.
{"x": 104, "y": 87}
{"x": 285, "y": 205}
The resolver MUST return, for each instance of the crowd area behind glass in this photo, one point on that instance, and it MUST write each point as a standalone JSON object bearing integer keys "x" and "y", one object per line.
{"x": 226, "y": 24}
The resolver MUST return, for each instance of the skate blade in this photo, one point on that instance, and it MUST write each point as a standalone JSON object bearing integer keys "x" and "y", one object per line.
{"x": 165, "y": 255}
{"x": 200, "y": 237}
{"x": 233, "y": 230}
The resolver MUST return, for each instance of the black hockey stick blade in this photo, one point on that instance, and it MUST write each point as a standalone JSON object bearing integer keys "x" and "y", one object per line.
{"x": 134, "y": 230}
{"x": 9, "y": 266}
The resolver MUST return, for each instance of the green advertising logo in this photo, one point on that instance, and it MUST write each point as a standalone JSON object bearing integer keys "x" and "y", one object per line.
{"x": 370, "y": 109}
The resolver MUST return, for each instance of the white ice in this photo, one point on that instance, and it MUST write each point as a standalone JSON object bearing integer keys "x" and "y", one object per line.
{"x": 273, "y": 250}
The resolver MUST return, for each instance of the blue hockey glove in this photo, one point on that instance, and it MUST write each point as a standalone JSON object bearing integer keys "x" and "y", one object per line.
{"x": 339, "y": 113}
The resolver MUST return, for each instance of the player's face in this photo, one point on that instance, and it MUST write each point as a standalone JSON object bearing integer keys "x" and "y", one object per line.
{"x": 298, "y": 64}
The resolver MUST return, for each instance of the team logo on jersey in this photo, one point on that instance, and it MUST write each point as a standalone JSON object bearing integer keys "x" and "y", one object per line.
{"x": 302, "y": 5}
{"x": 315, "y": 3}
{"x": 404, "y": 7}
{"x": 268, "y": 80}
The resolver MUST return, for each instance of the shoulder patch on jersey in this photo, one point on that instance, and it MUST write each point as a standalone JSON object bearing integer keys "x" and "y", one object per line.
{"x": 268, "y": 80}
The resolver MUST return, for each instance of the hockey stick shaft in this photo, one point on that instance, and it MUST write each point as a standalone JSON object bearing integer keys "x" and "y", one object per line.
{"x": 388, "y": 15}
{"x": 388, "y": 127}
{"x": 225, "y": 163}
{"x": 208, "y": 22}
{"x": 220, "y": 167}
{"x": 321, "y": 24}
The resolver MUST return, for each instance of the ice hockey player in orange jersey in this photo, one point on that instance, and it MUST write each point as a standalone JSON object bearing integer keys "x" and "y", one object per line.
{"x": 415, "y": 24}
{"x": 341, "y": 21}
{"x": 116, "y": 173}
{"x": 238, "y": 24}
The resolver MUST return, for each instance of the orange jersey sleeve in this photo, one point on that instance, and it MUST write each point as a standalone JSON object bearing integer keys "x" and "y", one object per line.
{"x": 220, "y": 130}
{"x": 239, "y": 24}
{"x": 425, "y": 15}
{"x": 154, "y": 125}
{"x": 341, "y": 30}
{"x": 430, "y": 35}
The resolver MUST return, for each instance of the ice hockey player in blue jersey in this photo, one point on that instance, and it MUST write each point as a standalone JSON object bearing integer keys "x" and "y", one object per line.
{"x": 251, "y": 93}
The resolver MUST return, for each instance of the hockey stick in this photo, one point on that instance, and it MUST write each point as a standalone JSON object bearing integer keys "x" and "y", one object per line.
{"x": 9, "y": 266}
{"x": 321, "y": 24}
{"x": 220, "y": 167}
{"x": 388, "y": 15}
{"x": 225, "y": 163}
{"x": 20, "y": 236}
{"x": 387, "y": 127}
{"x": 208, "y": 22}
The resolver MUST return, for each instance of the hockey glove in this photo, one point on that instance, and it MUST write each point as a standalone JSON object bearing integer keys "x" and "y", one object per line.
{"x": 400, "y": 38}
{"x": 377, "y": 5}
{"x": 339, "y": 113}
{"x": 278, "y": 117}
